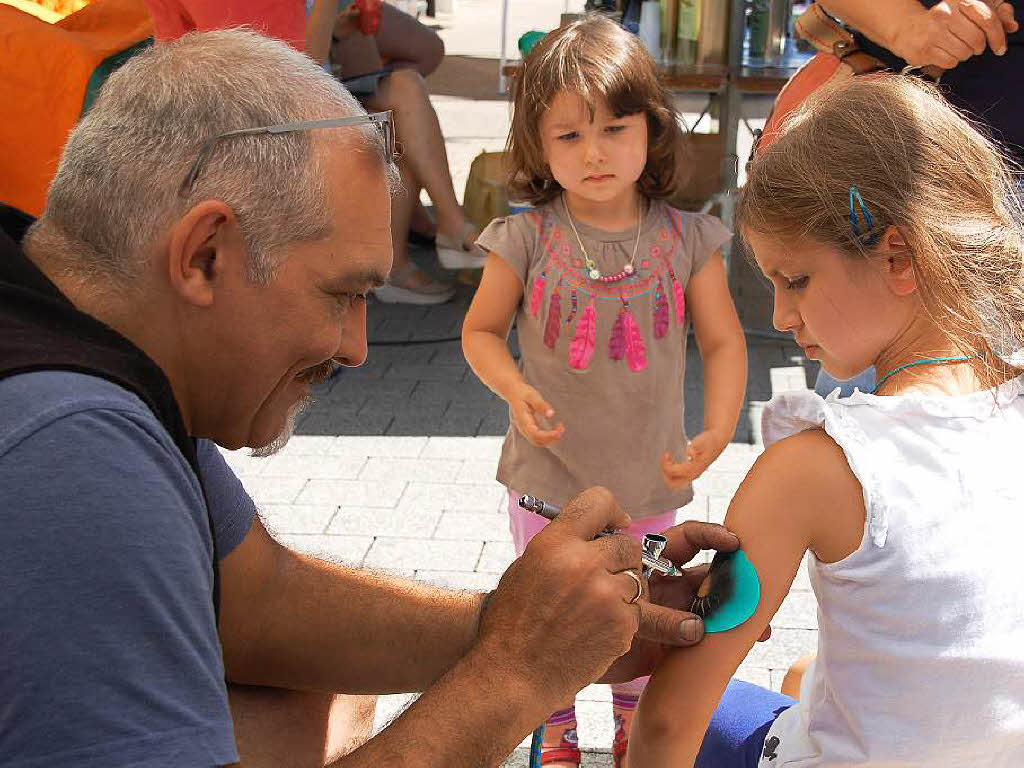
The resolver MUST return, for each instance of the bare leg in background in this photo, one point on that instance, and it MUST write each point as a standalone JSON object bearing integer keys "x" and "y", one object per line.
{"x": 405, "y": 92}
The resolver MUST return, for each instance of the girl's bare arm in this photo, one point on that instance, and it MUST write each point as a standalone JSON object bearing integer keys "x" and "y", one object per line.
{"x": 799, "y": 495}
{"x": 723, "y": 349}
{"x": 484, "y": 343}
{"x": 723, "y": 352}
{"x": 488, "y": 321}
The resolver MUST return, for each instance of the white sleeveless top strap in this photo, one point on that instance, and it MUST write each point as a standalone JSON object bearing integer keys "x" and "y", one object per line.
{"x": 921, "y": 644}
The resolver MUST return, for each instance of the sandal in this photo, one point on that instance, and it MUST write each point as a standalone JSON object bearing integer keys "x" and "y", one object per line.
{"x": 400, "y": 290}
{"x": 565, "y": 752}
{"x": 453, "y": 253}
{"x": 620, "y": 744}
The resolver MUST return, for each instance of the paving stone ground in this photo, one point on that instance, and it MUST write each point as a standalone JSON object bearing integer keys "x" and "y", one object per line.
{"x": 393, "y": 467}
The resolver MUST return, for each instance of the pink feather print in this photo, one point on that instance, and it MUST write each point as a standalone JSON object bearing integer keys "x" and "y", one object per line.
{"x": 553, "y": 325}
{"x": 581, "y": 350}
{"x": 636, "y": 352}
{"x": 661, "y": 314}
{"x": 617, "y": 341}
{"x": 680, "y": 298}
{"x": 538, "y": 294}
{"x": 573, "y": 304}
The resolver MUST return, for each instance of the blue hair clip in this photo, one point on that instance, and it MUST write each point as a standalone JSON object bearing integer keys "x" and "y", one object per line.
{"x": 865, "y": 237}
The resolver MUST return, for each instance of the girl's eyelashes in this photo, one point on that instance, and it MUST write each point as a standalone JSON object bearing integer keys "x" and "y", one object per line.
{"x": 796, "y": 283}
{"x": 573, "y": 135}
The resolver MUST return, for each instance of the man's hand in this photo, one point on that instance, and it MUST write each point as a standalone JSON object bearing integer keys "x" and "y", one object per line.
{"x": 561, "y": 613}
{"x": 526, "y": 407}
{"x": 666, "y": 621}
{"x": 953, "y": 31}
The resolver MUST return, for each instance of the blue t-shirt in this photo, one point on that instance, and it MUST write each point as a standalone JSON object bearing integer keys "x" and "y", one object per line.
{"x": 109, "y": 654}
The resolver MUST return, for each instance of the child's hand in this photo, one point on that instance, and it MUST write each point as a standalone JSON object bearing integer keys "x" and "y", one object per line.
{"x": 525, "y": 406}
{"x": 701, "y": 451}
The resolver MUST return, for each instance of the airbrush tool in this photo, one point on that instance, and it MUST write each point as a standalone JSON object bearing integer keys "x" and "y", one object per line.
{"x": 653, "y": 544}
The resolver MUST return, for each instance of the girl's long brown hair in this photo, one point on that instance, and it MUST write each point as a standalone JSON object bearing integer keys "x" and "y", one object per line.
{"x": 922, "y": 167}
{"x": 597, "y": 59}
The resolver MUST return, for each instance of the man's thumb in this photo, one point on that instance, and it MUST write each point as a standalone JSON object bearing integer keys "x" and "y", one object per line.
{"x": 668, "y": 626}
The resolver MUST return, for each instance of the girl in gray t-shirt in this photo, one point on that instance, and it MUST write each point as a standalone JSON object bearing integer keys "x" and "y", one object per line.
{"x": 603, "y": 279}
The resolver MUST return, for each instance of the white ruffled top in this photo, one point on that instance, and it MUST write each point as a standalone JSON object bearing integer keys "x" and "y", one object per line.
{"x": 921, "y": 644}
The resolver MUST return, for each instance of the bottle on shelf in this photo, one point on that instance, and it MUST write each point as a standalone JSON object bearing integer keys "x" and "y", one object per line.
{"x": 650, "y": 27}
{"x": 713, "y": 32}
{"x": 767, "y": 28}
{"x": 669, "y": 27}
{"x": 687, "y": 31}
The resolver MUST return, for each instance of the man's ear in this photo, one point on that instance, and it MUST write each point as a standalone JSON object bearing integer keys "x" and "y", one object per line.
{"x": 202, "y": 245}
{"x": 894, "y": 260}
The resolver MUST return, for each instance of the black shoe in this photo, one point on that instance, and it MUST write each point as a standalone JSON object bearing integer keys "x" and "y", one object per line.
{"x": 424, "y": 241}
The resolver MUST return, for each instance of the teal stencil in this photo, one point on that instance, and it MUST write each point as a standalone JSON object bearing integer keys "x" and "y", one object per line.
{"x": 737, "y": 591}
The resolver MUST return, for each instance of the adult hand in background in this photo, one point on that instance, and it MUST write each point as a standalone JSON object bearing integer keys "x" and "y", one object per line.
{"x": 346, "y": 22}
{"x": 952, "y": 31}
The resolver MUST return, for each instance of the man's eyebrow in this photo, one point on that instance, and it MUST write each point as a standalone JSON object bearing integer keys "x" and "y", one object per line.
{"x": 370, "y": 278}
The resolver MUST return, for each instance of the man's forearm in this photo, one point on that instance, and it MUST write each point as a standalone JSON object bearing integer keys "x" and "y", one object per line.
{"x": 880, "y": 22}
{"x": 313, "y": 625}
{"x": 475, "y": 715}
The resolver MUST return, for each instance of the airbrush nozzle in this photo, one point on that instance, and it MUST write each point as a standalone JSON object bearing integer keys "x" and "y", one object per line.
{"x": 651, "y": 542}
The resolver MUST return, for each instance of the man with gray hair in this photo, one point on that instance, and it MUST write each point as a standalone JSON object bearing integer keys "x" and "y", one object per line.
{"x": 215, "y": 224}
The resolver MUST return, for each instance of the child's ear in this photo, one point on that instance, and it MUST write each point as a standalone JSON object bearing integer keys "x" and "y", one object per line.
{"x": 895, "y": 261}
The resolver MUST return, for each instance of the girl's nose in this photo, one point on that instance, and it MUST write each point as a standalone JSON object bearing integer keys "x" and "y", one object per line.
{"x": 592, "y": 151}
{"x": 784, "y": 314}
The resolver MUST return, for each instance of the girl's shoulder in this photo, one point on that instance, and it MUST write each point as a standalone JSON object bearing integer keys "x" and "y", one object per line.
{"x": 523, "y": 223}
{"x": 701, "y": 234}
{"x": 845, "y": 422}
{"x": 515, "y": 238}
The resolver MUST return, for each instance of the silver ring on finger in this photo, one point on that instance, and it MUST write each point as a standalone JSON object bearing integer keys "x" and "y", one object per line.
{"x": 639, "y": 587}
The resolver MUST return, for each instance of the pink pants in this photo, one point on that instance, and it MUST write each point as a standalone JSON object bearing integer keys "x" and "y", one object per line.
{"x": 525, "y": 525}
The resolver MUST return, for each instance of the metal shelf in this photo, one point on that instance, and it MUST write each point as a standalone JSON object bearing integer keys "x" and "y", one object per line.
{"x": 728, "y": 84}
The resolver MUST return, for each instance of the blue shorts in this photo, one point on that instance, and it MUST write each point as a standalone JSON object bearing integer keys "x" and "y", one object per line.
{"x": 735, "y": 737}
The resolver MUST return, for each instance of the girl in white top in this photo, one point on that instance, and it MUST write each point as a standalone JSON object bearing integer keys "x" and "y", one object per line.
{"x": 892, "y": 235}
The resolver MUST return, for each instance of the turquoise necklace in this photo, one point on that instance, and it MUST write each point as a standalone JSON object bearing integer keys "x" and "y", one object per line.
{"x": 928, "y": 361}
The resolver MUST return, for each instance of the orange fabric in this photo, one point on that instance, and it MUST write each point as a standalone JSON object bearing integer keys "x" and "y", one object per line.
{"x": 44, "y": 70}
{"x": 815, "y": 73}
